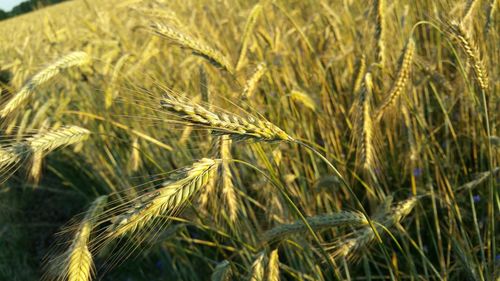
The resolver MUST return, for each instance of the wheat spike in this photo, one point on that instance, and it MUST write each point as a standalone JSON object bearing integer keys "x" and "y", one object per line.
{"x": 53, "y": 139}
{"x": 238, "y": 128}
{"x": 360, "y": 239}
{"x": 380, "y": 31}
{"x": 316, "y": 223}
{"x": 72, "y": 59}
{"x": 169, "y": 198}
{"x": 473, "y": 55}
{"x": 249, "y": 26}
{"x": 273, "y": 266}
{"x": 226, "y": 179}
{"x": 304, "y": 99}
{"x": 199, "y": 48}
{"x": 251, "y": 83}
{"x": 367, "y": 150}
{"x": 401, "y": 79}
{"x": 258, "y": 268}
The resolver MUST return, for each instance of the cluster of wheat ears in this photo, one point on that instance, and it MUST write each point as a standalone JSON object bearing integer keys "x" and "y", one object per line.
{"x": 288, "y": 143}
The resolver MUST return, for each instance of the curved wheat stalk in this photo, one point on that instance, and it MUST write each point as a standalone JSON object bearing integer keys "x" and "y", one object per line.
{"x": 238, "y": 128}
{"x": 72, "y": 59}
{"x": 249, "y": 26}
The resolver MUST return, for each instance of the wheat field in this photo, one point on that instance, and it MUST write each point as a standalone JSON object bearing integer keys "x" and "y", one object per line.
{"x": 251, "y": 140}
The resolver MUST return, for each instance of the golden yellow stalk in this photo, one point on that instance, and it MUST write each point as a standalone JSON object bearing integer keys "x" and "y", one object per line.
{"x": 249, "y": 26}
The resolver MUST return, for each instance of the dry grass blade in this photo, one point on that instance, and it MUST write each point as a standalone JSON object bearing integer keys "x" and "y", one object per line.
{"x": 401, "y": 79}
{"x": 238, "y": 128}
{"x": 72, "y": 59}
{"x": 198, "y": 47}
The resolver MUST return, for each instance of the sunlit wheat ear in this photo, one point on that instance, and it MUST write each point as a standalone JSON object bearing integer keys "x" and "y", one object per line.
{"x": 143, "y": 210}
{"x": 360, "y": 73}
{"x": 273, "y": 266}
{"x": 303, "y": 99}
{"x": 196, "y": 46}
{"x": 257, "y": 272}
{"x": 471, "y": 50}
{"x": 70, "y": 60}
{"x": 401, "y": 79}
{"x": 251, "y": 83}
{"x": 316, "y": 223}
{"x": 249, "y": 26}
{"x": 349, "y": 246}
{"x": 236, "y": 127}
{"x": 365, "y": 125}
{"x": 222, "y": 272}
{"x": 225, "y": 178}
{"x": 380, "y": 31}
{"x": 56, "y": 138}
{"x": 76, "y": 264}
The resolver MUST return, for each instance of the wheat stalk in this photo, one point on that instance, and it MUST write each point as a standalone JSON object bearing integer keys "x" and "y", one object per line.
{"x": 169, "y": 198}
{"x": 238, "y": 128}
{"x": 249, "y": 26}
{"x": 198, "y": 47}
{"x": 401, "y": 79}
{"x": 72, "y": 59}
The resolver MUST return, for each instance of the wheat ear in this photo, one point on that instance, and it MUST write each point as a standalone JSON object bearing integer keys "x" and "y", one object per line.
{"x": 473, "y": 55}
{"x": 56, "y": 138}
{"x": 225, "y": 178}
{"x": 361, "y": 238}
{"x": 80, "y": 259}
{"x": 238, "y": 128}
{"x": 273, "y": 266}
{"x": 72, "y": 59}
{"x": 257, "y": 272}
{"x": 249, "y": 26}
{"x": 316, "y": 223}
{"x": 401, "y": 79}
{"x": 167, "y": 199}
{"x": 366, "y": 124}
{"x": 380, "y": 31}
{"x": 251, "y": 83}
{"x": 197, "y": 47}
